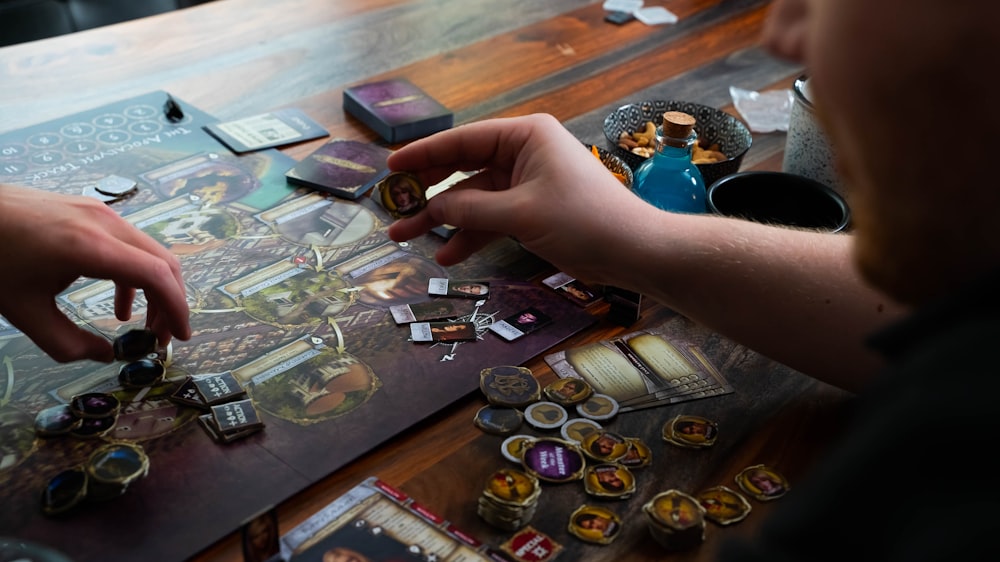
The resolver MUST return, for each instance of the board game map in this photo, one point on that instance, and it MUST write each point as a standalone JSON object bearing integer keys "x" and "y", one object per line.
{"x": 289, "y": 291}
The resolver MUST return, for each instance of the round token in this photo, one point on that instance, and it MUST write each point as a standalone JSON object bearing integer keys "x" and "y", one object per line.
{"x": 498, "y": 421}
{"x": 609, "y": 480}
{"x": 512, "y": 487}
{"x": 141, "y": 373}
{"x": 693, "y": 432}
{"x": 576, "y": 429}
{"x": 598, "y": 407}
{"x": 676, "y": 520}
{"x": 94, "y": 427}
{"x": 568, "y": 391}
{"x": 762, "y": 482}
{"x": 65, "y": 491}
{"x": 553, "y": 460}
{"x": 638, "y": 454}
{"x": 94, "y": 405}
{"x": 56, "y": 420}
{"x": 723, "y": 505}
{"x": 510, "y": 386}
{"x": 135, "y": 344}
{"x": 118, "y": 463}
{"x": 605, "y": 446}
{"x": 546, "y": 415}
{"x": 513, "y": 447}
{"x": 594, "y": 524}
{"x": 402, "y": 194}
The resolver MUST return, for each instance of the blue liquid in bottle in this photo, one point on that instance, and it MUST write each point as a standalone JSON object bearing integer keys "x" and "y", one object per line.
{"x": 668, "y": 179}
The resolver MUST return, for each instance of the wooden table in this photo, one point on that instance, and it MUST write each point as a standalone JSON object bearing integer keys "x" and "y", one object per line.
{"x": 482, "y": 59}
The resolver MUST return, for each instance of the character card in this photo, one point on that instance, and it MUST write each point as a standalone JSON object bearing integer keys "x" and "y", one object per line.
{"x": 573, "y": 289}
{"x": 520, "y": 324}
{"x": 345, "y": 168}
{"x": 267, "y": 130}
{"x": 443, "y": 331}
{"x": 423, "y": 311}
{"x": 260, "y": 537}
{"x": 464, "y": 288}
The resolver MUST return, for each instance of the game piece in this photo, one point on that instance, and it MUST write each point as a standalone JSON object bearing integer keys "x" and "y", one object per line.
{"x": 531, "y": 545}
{"x": 618, "y": 18}
{"x": 141, "y": 373}
{"x": 116, "y": 186}
{"x": 723, "y": 505}
{"x": 575, "y": 430}
{"x": 520, "y": 323}
{"x": 64, "y": 491}
{"x": 609, "y": 481}
{"x": 218, "y": 388}
{"x": 509, "y": 385}
{"x": 56, "y": 420}
{"x": 572, "y": 289}
{"x": 92, "y": 428}
{"x": 423, "y": 311}
{"x": 466, "y": 288}
{"x": 553, "y": 460}
{"x": 509, "y": 499}
{"x": 594, "y": 524}
{"x": 188, "y": 395}
{"x": 260, "y": 536}
{"x": 545, "y": 415}
{"x": 94, "y": 405}
{"x": 401, "y": 194}
{"x": 397, "y": 109}
{"x": 443, "y": 331}
{"x": 676, "y": 520}
{"x": 568, "y": 391}
{"x": 498, "y": 420}
{"x": 513, "y": 447}
{"x": 345, "y": 168}
{"x": 599, "y": 407}
{"x": 135, "y": 344}
{"x": 638, "y": 455}
{"x": 693, "y": 432}
{"x": 762, "y": 482}
{"x": 604, "y": 446}
{"x": 172, "y": 110}
{"x": 266, "y": 130}
{"x": 626, "y": 306}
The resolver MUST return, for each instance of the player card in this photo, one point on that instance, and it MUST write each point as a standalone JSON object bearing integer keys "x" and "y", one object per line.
{"x": 423, "y": 311}
{"x": 267, "y": 130}
{"x": 260, "y": 536}
{"x": 520, "y": 324}
{"x": 465, "y": 288}
{"x": 345, "y": 168}
{"x": 572, "y": 288}
{"x": 443, "y": 331}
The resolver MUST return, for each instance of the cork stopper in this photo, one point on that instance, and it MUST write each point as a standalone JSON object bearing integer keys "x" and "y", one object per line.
{"x": 677, "y": 124}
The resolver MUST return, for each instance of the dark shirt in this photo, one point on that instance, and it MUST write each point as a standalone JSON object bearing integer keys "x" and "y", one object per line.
{"x": 915, "y": 477}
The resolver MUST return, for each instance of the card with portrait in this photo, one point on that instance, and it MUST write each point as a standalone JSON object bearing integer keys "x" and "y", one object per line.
{"x": 423, "y": 311}
{"x": 464, "y": 288}
{"x": 520, "y": 324}
{"x": 443, "y": 331}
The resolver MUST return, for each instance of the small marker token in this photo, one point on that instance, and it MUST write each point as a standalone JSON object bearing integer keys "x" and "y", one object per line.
{"x": 546, "y": 415}
{"x": 599, "y": 407}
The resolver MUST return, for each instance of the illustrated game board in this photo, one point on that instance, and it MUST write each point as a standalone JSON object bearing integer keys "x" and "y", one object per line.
{"x": 290, "y": 291}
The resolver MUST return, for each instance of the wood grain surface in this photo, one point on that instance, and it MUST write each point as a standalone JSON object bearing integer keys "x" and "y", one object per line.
{"x": 482, "y": 59}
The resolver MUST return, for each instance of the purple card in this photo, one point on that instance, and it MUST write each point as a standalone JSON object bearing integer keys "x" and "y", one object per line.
{"x": 397, "y": 109}
{"x": 343, "y": 167}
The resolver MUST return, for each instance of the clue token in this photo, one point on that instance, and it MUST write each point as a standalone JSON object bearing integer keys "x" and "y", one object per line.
{"x": 546, "y": 415}
{"x": 510, "y": 386}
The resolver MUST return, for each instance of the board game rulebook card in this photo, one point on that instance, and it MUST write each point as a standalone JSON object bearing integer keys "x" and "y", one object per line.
{"x": 381, "y": 523}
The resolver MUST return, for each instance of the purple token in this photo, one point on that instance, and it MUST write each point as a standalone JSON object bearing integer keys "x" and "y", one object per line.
{"x": 553, "y": 460}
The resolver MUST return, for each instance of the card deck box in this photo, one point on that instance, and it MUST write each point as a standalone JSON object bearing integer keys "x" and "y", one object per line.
{"x": 397, "y": 109}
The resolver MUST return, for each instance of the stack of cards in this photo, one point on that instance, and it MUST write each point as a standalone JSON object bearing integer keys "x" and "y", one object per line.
{"x": 397, "y": 109}
{"x": 231, "y": 421}
{"x": 205, "y": 391}
{"x": 345, "y": 168}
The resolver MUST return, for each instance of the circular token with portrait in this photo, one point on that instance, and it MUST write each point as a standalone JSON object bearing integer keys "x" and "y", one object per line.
{"x": 599, "y": 407}
{"x": 638, "y": 455}
{"x": 546, "y": 415}
{"x": 402, "y": 194}
{"x": 605, "y": 446}
{"x": 693, "y": 432}
{"x": 609, "y": 481}
{"x": 568, "y": 391}
{"x": 724, "y": 505}
{"x": 94, "y": 405}
{"x": 676, "y": 520}
{"x": 56, "y": 420}
{"x": 763, "y": 483}
{"x": 595, "y": 524}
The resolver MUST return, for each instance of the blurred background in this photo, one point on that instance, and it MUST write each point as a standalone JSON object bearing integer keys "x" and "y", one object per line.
{"x": 28, "y": 20}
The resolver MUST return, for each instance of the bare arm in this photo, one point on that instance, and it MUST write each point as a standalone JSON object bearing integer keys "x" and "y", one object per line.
{"x": 791, "y": 295}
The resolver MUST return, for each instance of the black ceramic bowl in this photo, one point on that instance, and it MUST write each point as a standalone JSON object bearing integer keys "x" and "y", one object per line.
{"x": 779, "y": 198}
{"x": 714, "y": 126}
{"x": 613, "y": 163}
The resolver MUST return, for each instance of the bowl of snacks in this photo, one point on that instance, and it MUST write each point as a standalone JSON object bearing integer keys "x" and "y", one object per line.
{"x": 614, "y": 164}
{"x": 723, "y": 139}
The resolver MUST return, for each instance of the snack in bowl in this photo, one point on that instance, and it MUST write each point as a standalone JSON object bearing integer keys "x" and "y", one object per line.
{"x": 718, "y": 131}
{"x": 613, "y": 163}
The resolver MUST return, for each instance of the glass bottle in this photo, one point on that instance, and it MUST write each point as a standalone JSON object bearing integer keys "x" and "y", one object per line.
{"x": 668, "y": 179}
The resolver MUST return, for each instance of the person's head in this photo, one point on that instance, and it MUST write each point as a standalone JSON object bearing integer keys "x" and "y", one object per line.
{"x": 401, "y": 193}
{"x": 344, "y": 554}
{"x": 693, "y": 428}
{"x": 609, "y": 480}
{"x": 763, "y": 482}
{"x": 526, "y": 318}
{"x": 570, "y": 388}
{"x": 922, "y": 213}
{"x": 603, "y": 445}
{"x": 595, "y": 522}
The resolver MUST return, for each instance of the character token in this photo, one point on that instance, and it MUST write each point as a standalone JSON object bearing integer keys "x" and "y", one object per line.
{"x": 599, "y": 407}
{"x": 694, "y": 432}
{"x": 464, "y": 288}
{"x": 498, "y": 420}
{"x": 553, "y": 460}
{"x": 638, "y": 454}
{"x": 531, "y": 545}
{"x": 568, "y": 391}
{"x": 723, "y": 505}
{"x": 605, "y": 446}
{"x": 509, "y": 486}
{"x": 510, "y": 386}
{"x": 594, "y": 524}
{"x": 577, "y": 429}
{"x": 546, "y": 415}
{"x": 609, "y": 481}
{"x": 402, "y": 194}
{"x": 762, "y": 483}
{"x": 94, "y": 405}
{"x": 135, "y": 344}
{"x": 676, "y": 520}
{"x": 56, "y": 420}
{"x": 513, "y": 447}
{"x": 64, "y": 491}
{"x": 141, "y": 373}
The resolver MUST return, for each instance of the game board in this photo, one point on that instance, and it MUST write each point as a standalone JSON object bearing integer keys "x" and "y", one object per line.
{"x": 289, "y": 291}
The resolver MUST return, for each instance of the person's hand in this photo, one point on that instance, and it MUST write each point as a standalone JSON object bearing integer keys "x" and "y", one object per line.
{"x": 49, "y": 240}
{"x": 537, "y": 183}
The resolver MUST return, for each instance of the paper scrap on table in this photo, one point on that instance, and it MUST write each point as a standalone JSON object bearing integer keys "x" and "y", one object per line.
{"x": 627, "y": 6}
{"x": 764, "y": 112}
